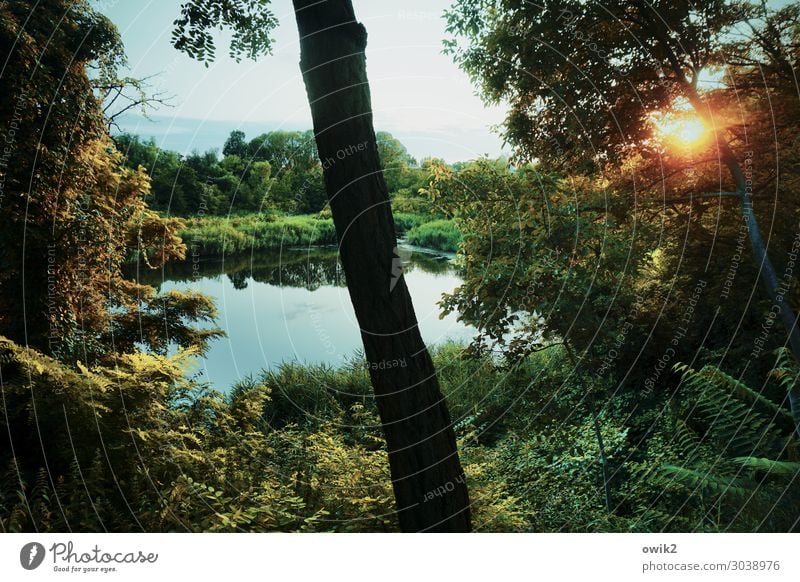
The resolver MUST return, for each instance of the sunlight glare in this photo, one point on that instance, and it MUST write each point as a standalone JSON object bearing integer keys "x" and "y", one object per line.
{"x": 680, "y": 128}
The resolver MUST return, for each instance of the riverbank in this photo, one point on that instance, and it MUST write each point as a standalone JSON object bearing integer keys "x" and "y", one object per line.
{"x": 226, "y": 235}
{"x": 440, "y": 234}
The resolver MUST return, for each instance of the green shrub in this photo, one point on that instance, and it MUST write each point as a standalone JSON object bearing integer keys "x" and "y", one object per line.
{"x": 138, "y": 445}
{"x": 405, "y": 221}
{"x": 245, "y": 233}
{"x": 437, "y": 234}
{"x": 406, "y": 200}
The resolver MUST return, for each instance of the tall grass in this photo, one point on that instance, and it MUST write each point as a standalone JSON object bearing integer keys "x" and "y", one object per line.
{"x": 473, "y": 385}
{"x": 218, "y": 235}
{"x": 437, "y": 234}
{"x": 405, "y": 221}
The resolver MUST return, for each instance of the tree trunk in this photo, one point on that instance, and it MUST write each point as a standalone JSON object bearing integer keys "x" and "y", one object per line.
{"x": 602, "y": 449}
{"x": 769, "y": 277}
{"x": 428, "y": 481}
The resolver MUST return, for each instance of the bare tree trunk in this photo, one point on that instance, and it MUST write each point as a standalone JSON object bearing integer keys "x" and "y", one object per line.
{"x": 428, "y": 481}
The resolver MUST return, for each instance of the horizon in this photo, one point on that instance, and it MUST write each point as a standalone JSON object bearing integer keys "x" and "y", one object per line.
{"x": 419, "y": 95}
{"x": 191, "y": 135}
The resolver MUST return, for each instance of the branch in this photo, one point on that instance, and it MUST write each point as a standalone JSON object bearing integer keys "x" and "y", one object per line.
{"x": 140, "y": 98}
{"x": 664, "y": 177}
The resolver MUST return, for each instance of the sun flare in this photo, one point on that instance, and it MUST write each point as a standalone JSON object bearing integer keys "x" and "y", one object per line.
{"x": 680, "y": 128}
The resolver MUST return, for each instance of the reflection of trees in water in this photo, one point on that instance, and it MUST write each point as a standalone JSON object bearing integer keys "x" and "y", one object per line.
{"x": 429, "y": 263}
{"x": 311, "y": 269}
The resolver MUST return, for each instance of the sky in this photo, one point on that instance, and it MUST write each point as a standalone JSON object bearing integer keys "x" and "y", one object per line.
{"x": 418, "y": 94}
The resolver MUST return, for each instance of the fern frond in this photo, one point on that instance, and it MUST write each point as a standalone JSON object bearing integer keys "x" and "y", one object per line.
{"x": 706, "y": 481}
{"x": 783, "y": 468}
{"x": 726, "y": 407}
{"x": 744, "y": 391}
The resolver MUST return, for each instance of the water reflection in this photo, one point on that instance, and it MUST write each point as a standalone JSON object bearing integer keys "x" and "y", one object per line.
{"x": 294, "y": 306}
{"x": 310, "y": 269}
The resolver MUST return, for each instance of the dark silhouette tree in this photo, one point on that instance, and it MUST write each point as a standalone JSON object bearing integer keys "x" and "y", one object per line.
{"x": 428, "y": 481}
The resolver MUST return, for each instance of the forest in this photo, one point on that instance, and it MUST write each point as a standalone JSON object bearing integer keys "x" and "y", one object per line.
{"x": 630, "y": 272}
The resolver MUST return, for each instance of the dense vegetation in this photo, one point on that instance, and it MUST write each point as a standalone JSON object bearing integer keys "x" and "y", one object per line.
{"x": 255, "y": 232}
{"x": 628, "y": 374}
{"x": 438, "y": 234}
{"x": 300, "y": 449}
{"x": 278, "y": 171}
{"x": 267, "y": 193}
{"x": 217, "y": 235}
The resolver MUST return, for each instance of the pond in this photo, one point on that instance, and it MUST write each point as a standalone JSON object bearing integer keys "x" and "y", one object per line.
{"x": 293, "y": 306}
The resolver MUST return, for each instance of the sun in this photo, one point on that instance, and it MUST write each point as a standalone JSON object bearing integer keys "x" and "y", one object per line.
{"x": 680, "y": 127}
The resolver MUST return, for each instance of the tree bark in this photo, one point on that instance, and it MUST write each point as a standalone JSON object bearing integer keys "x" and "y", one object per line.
{"x": 427, "y": 477}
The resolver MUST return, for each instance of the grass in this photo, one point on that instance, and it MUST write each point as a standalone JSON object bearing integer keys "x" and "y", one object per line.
{"x": 472, "y": 385}
{"x": 405, "y": 221}
{"x": 230, "y": 235}
{"x": 217, "y": 235}
{"x": 437, "y": 234}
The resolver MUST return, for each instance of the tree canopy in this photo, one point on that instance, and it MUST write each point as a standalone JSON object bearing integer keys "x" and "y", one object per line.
{"x": 73, "y": 213}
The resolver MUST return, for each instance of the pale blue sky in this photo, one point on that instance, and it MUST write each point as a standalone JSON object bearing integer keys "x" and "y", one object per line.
{"x": 418, "y": 94}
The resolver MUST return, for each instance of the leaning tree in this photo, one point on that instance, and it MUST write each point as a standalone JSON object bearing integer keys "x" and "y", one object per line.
{"x": 421, "y": 443}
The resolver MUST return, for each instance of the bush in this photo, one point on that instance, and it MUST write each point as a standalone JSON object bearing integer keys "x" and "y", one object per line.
{"x": 405, "y": 221}
{"x": 437, "y": 234}
{"x": 406, "y": 201}
{"x": 138, "y": 445}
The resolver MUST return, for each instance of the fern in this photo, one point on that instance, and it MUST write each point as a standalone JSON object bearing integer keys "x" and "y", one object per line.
{"x": 724, "y": 407}
{"x": 721, "y": 379}
{"x": 706, "y": 481}
{"x": 770, "y": 466}
{"x": 786, "y": 371}
{"x": 727, "y": 453}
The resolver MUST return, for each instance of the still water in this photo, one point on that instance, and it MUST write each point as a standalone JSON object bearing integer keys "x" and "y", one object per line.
{"x": 293, "y": 306}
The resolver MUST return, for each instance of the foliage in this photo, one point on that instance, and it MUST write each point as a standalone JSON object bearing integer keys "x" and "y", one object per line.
{"x": 136, "y": 447}
{"x": 250, "y": 20}
{"x": 140, "y": 447}
{"x": 399, "y": 167}
{"x": 442, "y": 235}
{"x": 278, "y": 171}
{"x": 596, "y": 73}
{"x": 198, "y": 183}
{"x": 216, "y": 236}
{"x": 730, "y": 467}
{"x": 582, "y": 102}
{"x": 247, "y": 233}
{"x": 580, "y": 280}
{"x": 544, "y": 259}
{"x": 405, "y": 221}
{"x": 72, "y": 212}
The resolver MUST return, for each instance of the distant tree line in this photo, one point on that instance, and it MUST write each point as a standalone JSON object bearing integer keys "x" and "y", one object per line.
{"x": 277, "y": 170}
